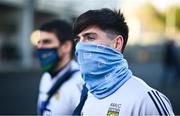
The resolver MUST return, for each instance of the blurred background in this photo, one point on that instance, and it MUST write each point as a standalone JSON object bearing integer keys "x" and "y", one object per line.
{"x": 153, "y": 50}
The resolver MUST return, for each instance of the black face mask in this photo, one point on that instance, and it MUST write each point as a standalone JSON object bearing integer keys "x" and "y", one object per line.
{"x": 48, "y": 58}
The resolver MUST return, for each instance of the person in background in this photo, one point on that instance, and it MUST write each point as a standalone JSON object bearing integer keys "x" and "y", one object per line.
{"x": 171, "y": 73}
{"x": 61, "y": 83}
{"x": 169, "y": 63}
{"x": 113, "y": 90}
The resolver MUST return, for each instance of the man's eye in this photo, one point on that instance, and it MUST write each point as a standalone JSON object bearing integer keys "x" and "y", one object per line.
{"x": 89, "y": 38}
{"x": 76, "y": 40}
{"x": 46, "y": 41}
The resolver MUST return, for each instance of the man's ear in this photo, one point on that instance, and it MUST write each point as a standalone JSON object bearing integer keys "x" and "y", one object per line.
{"x": 65, "y": 48}
{"x": 118, "y": 43}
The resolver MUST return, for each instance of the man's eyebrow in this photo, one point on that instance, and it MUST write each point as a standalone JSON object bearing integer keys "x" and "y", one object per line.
{"x": 44, "y": 39}
{"x": 89, "y": 33}
{"x": 76, "y": 37}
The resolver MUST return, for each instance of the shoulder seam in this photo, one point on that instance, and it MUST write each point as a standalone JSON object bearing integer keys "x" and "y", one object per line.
{"x": 158, "y": 102}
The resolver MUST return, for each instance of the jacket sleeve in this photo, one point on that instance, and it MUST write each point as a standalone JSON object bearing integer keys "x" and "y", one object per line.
{"x": 155, "y": 103}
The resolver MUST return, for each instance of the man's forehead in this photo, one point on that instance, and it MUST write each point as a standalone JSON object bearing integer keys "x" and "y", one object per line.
{"x": 92, "y": 29}
{"x": 38, "y": 35}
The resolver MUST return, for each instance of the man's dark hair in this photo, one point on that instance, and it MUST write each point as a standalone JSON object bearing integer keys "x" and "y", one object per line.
{"x": 61, "y": 29}
{"x": 105, "y": 19}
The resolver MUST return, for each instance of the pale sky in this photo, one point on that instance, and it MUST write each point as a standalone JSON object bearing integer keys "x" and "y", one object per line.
{"x": 162, "y": 4}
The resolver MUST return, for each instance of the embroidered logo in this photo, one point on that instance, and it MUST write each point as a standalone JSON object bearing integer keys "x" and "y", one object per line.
{"x": 57, "y": 96}
{"x": 114, "y": 109}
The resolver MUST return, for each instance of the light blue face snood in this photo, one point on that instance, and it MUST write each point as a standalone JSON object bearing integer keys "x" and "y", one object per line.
{"x": 103, "y": 69}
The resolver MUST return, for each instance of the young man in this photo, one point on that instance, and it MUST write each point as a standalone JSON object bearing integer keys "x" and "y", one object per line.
{"x": 61, "y": 84}
{"x": 112, "y": 89}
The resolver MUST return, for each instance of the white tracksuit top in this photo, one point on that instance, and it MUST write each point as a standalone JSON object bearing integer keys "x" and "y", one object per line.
{"x": 68, "y": 95}
{"x": 134, "y": 97}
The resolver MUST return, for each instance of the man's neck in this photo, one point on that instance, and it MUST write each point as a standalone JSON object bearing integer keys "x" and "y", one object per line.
{"x": 60, "y": 66}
